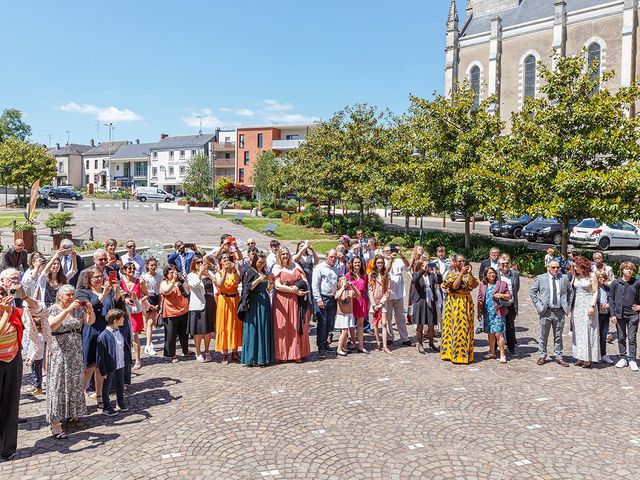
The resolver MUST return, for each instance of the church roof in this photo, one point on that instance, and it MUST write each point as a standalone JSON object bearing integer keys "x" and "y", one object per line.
{"x": 528, "y": 11}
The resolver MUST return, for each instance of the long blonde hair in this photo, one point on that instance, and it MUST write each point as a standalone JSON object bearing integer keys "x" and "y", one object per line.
{"x": 282, "y": 250}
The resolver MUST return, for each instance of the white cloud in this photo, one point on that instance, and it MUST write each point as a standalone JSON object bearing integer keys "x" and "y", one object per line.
{"x": 242, "y": 112}
{"x": 275, "y": 106}
{"x": 104, "y": 114}
{"x": 209, "y": 121}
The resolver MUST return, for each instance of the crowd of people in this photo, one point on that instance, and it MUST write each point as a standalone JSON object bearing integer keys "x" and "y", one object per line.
{"x": 83, "y": 324}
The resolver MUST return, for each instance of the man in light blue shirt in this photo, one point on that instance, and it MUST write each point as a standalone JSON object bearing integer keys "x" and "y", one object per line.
{"x": 324, "y": 286}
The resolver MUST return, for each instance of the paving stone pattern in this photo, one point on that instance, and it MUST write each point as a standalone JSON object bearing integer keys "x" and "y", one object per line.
{"x": 377, "y": 416}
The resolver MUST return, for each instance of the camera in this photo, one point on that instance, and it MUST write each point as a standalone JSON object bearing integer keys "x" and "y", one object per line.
{"x": 393, "y": 248}
{"x": 431, "y": 265}
{"x": 231, "y": 240}
{"x": 83, "y": 303}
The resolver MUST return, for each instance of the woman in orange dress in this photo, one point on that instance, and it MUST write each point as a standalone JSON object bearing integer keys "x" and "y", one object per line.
{"x": 291, "y": 325}
{"x": 228, "y": 326}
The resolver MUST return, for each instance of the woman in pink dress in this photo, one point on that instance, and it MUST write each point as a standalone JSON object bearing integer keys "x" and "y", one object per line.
{"x": 135, "y": 292}
{"x": 291, "y": 330}
{"x": 358, "y": 279}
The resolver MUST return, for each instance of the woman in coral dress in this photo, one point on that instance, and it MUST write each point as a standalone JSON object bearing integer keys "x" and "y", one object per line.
{"x": 228, "y": 326}
{"x": 291, "y": 309}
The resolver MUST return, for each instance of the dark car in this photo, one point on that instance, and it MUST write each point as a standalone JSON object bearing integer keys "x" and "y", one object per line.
{"x": 511, "y": 227}
{"x": 458, "y": 215}
{"x": 64, "y": 192}
{"x": 546, "y": 230}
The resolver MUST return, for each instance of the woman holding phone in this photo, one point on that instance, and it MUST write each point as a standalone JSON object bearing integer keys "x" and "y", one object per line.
{"x": 228, "y": 325}
{"x": 135, "y": 292}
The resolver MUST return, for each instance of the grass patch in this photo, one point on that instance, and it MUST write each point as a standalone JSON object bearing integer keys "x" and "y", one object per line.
{"x": 285, "y": 231}
{"x": 6, "y": 219}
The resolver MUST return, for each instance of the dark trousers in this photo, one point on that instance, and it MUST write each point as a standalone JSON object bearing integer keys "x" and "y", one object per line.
{"x": 326, "y": 320}
{"x": 626, "y": 326}
{"x": 36, "y": 371}
{"x": 510, "y": 328}
{"x": 603, "y": 324}
{"x": 10, "y": 381}
{"x": 176, "y": 328}
{"x": 117, "y": 377}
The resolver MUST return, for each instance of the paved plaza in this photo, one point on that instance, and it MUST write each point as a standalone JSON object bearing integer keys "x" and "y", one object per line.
{"x": 376, "y": 416}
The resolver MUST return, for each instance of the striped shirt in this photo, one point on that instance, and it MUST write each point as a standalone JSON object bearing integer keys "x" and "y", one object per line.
{"x": 9, "y": 344}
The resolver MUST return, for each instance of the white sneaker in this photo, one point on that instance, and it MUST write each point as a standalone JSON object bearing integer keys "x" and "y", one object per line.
{"x": 633, "y": 365}
{"x": 150, "y": 350}
{"x": 200, "y": 358}
{"x": 622, "y": 363}
{"x": 607, "y": 359}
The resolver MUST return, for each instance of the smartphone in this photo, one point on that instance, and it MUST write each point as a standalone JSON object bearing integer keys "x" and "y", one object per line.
{"x": 113, "y": 276}
{"x": 17, "y": 292}
{"x": 431, "y": 265}
{"x": 393, "y": 248}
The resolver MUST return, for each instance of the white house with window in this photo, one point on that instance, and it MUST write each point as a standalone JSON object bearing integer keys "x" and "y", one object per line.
{"x": 68, "y": 163}
{"x": 129, "y": 166}
{"x": 95, "y": 164}
{"x": 499, "y": 45}
{"x": 170, "y": 156}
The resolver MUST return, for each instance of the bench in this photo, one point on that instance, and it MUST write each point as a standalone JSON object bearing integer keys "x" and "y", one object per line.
{"x": 238, "y": 218}
{"x": 270, "y": 229}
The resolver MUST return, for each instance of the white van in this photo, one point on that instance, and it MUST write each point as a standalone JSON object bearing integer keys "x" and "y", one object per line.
{"x": 153, "y": 193}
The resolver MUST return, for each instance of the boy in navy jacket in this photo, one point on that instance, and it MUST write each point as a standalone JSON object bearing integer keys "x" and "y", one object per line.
{"x": 111, "y": 360}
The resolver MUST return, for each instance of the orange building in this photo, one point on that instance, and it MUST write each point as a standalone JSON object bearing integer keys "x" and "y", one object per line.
{"x": 252, "y": 141}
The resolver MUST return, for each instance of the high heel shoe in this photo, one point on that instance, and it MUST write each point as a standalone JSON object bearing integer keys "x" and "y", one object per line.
{"x": 420, "y": 348}
{"x": 433, "y": 347}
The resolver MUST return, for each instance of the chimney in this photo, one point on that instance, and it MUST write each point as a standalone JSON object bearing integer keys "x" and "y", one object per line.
{"x": 92, "y": 143}
{"x": 57, "y": 146}
{"x": 163, "y": 136}
{"x": 137, "y": 141}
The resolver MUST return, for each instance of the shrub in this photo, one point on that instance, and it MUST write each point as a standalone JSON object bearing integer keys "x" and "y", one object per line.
{"x": 400, "y": 241}
{"x": 266, "y": 211}
{"x": 277, "y": 214}
{"x": 293, "y": 218}
{"x": 292, "y": 205}
{"x": 286, "y": 218}
{"x": 326, "y": 226}
{"x": 246, "y": 205}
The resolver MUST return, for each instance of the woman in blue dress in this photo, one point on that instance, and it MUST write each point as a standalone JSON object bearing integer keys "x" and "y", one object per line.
{"x": 493, "y": 312}
{"x": 255, "y": 311}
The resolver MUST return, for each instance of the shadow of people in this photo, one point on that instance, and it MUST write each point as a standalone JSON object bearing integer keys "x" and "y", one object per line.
{"x": 78, "y": 442}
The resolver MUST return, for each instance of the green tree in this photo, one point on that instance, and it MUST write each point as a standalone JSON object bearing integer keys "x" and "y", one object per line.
{"x": 449, "y": 136}
{"x": 22, "y": 163}
{"x": 12, "y": 125}
{"x": 267, "y": 176}
{"x": 573, "y": 152}
{"x": 197, "y": 182}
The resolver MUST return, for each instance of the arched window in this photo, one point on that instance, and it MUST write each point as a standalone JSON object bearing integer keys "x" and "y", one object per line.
{"x": 474, "y": 78}
{"x": 529, "y": 87}
{"x": 594, "y": 57}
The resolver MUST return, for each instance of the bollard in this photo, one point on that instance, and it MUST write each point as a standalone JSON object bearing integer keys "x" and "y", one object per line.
{"x": 123, "y": 206}
{"x": 60, "y": 207}
{"x": 155, "y": 207}
{"x": 187, "y": 208}
{"x": 220, "y": 210}
{"x": 254, "y": 212}
{"x": 92, "y": 206}
{"x": 91, "y": 238}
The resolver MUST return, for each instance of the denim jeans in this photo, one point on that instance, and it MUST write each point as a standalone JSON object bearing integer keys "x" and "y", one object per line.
{"x": 116, "y": 377}
{"x": 627, "y": 326}
{"x": 326, "y": 320}
{"x": 36, "y": 371}
{"x": 603, "y": 320}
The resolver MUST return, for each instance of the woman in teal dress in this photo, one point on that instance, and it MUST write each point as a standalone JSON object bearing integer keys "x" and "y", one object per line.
{"x": 255, "y": 311}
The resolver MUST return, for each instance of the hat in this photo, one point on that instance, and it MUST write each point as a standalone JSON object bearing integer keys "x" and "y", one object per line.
{"x": 345, "y": 238}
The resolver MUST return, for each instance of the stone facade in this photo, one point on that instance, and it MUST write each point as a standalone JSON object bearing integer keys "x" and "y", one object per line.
{"x": 499, "y": 38}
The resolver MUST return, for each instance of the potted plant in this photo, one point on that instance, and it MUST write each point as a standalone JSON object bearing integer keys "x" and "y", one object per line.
{"x": 60, "y": 225}
{"x": 25, "y": 232}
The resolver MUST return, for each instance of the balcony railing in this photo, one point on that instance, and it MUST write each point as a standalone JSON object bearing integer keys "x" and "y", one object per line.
{"x": 224, "y": 163}
{"x": 224, "y": 146}
{"x": 287, "y": 144}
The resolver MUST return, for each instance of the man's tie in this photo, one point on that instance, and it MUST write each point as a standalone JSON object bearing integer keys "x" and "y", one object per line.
{"x": 554, "y": 289}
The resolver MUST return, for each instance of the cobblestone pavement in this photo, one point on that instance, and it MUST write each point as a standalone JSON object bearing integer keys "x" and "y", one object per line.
{"x": 377, "y": 416}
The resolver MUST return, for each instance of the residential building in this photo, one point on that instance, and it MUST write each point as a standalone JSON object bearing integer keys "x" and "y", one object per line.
{"x": 252, "y": 141}
{"x": 95, "y": 164}
{"x": 129, "y": 166}
{"x": 224, "y": 153}
{"x": 69, "y": 163}
{"x": 171, "y": 155}
{"x": 500, "y": 43}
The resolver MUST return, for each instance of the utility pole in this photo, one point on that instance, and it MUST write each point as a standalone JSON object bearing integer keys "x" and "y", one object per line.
{"x": 68, "y": 132}
{"x": 49, "y": 137}
{"x": 111, "y": 126}
{"x": 200, "y": 117}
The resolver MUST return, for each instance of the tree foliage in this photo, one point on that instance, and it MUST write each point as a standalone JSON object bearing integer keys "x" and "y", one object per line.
{"x": 22, "y": 163}
{"x": 572, "y": 153}
{"x": 197, "y": 182}
{"x": 12, "y": 125}
{"x": 267, "y": 176}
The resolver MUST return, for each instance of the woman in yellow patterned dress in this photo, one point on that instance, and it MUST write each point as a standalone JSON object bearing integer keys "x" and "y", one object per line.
{"x": 228, "y": 326}
{"x": 457, "y": 317}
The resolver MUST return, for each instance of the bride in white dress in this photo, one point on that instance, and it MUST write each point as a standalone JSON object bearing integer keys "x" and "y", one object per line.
{"x": 585, "y": 342}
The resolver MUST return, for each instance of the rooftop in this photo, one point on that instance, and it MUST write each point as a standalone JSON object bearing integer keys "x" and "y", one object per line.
{"x": 133, "y": 150}
{"x": 103, "y": 148}
{"x": 71, "y": 149}
{"x": 185, "y": 141}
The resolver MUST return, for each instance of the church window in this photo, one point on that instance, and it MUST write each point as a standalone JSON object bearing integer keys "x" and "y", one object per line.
{"x": 530, "y": 77}
{"x": 474, "y": 79}
{"x": 594, "y": 53}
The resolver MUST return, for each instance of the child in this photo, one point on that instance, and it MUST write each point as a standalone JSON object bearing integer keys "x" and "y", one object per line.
{"x": 111, "y": 361}
{"x": 35, "y": 358}
{"x": 344, "y": 315}
{"x": 549, "y": 257}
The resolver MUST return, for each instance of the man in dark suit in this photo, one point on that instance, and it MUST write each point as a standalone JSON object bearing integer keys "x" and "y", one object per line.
{"x": 492, "y": 261}
{"x": 15, "y": 257}
{"x": 181, "y": 259}
{"x": 512, "y": 279}
{"x": 551, "y": 294}
{"x": 66, "y": 261}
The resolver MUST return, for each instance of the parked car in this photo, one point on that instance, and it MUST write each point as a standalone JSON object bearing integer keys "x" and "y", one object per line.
{"x": 593, "y": 233}
{"x": 64, "y": 192}
{"x": 153, "y": 193}
{"x": 45, "y": 189}
{"x": 458, "y": 215}
{"x": 546, "y": 230}
{"x": 511, "y": 227}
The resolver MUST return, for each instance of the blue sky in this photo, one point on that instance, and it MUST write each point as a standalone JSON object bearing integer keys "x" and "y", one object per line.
{"x": 152, "y": 66}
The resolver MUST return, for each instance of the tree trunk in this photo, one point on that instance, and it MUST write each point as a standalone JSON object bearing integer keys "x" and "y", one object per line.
{"x": 329, "y": 202}
{"x": 565, "y": 235}
{"x": 467, "y": 232}
{"x": 406, "y": 224}
{"x": 275, "y": 201}
{"x": 361, "y": 213}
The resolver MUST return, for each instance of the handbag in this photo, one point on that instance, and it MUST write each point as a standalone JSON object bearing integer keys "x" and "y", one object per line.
{"x": 135, "y": 308}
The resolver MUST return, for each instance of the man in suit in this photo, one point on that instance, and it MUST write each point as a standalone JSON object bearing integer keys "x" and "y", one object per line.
{"x": 181, "y": 258}
{"x": 66, "y": 261}
{"x": 512, "y": 279}
{"x": 551, "y": 294}
{"x": 492, "y": 261}
{"x": 15, "y": 257}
